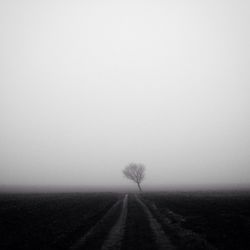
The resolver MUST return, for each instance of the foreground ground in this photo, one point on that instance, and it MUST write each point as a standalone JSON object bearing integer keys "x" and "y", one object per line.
{"x": 125, "y": 221}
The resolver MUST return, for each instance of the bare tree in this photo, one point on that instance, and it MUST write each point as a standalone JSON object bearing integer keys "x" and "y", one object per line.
{"x": 135, "y": 172}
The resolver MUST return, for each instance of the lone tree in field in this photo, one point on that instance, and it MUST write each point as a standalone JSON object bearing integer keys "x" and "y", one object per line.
{"x": 135, "y": 172}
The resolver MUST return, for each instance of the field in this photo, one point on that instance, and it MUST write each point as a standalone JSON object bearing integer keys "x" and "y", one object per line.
{"x": 125, "y": 221}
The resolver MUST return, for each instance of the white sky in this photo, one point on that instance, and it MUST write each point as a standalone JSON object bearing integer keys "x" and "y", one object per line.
{"x": 88, "y": 86}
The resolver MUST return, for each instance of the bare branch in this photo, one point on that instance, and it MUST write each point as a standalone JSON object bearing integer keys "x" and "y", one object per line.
{"x": 135, "y": 172}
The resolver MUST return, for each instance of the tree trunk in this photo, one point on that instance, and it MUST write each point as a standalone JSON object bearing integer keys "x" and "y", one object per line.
{"x": 138, "y": 184}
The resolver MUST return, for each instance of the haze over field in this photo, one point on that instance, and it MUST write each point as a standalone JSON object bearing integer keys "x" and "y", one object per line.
{"x": 87, "y": 87}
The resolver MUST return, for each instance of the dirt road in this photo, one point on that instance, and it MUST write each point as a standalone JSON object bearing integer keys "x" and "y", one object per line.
{"x": 133, "y": 223}
{"x": 115, "y": 237}
{"x": 128, "y": 224}
{"x": 142, "y": 231}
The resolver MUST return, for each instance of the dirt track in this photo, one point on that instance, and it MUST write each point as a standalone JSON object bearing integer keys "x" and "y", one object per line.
{"x": 132, "y": 223}
{"x": 114, "y": 239}
{"x": 133, "y": 227}
{"x": 162, "y": 241}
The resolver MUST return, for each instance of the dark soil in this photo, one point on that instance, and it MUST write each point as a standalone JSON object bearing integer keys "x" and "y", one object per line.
{"x": 223, "y": 219}
{"x": 138, "y": 234}
{"x": 49, "y": 221}
{"x": 58, "y": 221}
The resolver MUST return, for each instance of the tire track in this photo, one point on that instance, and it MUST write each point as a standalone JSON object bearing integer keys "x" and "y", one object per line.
{"x": 138, "y": 234}
{"x": 114, "y": 239}
{"x": 184, "y": 239}
{"x": 161, "y": 239}
{"x": 67, "y": 239}
{"x": 94, "y": 238}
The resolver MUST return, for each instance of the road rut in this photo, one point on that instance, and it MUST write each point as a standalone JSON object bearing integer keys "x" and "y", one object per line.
{"x": 114, "y": 239}
{"x": 162, "y": 241}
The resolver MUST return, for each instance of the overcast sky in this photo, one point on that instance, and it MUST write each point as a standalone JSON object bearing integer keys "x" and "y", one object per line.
{"x": 89, "y": 86}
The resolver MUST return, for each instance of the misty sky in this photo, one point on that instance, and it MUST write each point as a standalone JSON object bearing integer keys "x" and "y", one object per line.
{"x": 88, "y": 86}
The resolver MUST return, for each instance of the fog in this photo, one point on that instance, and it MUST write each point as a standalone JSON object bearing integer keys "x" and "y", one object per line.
{"x": 86, "y": 87}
